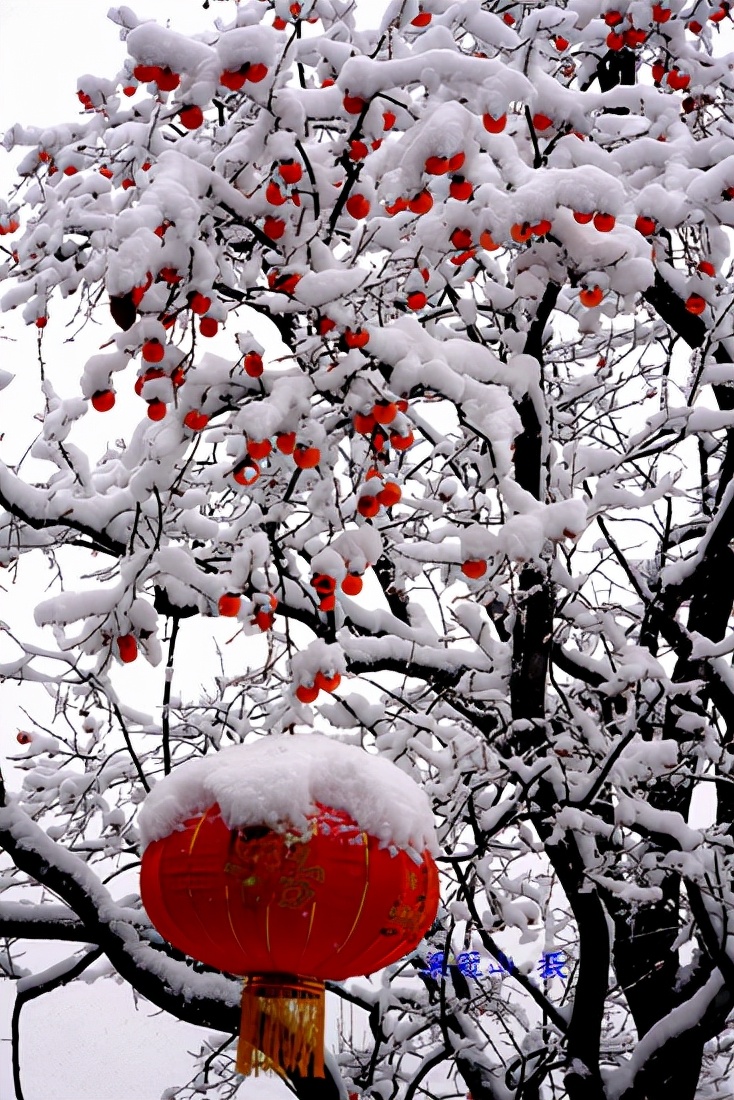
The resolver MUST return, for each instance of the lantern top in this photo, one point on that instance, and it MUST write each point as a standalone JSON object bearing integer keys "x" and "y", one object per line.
{"x": 277, "y": 782}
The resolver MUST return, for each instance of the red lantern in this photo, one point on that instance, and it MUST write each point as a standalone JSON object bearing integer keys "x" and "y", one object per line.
{"x": 288, "y": 910}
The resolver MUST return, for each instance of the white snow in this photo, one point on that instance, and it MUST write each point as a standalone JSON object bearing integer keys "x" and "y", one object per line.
{"x": 277, "y": 782}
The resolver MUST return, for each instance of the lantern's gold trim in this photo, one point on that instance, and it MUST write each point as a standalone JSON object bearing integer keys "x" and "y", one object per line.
{"x": 197, "y": 830}
{"x": 360, "y": 907}
{"x": 232, "y": 927}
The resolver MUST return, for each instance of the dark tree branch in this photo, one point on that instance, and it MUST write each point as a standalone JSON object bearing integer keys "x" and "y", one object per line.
{"x": 99, "y": 540}
{"x": 26, "y": 993}
{"x": 19, "y": 929}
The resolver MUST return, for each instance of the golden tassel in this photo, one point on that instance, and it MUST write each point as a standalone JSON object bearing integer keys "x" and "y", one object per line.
{"x": 282, "y": 1025}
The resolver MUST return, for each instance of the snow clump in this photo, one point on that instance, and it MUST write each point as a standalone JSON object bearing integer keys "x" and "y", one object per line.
{"x": 278, "y": 781}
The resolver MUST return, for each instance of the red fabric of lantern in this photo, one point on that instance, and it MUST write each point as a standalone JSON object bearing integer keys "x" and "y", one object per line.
{"x": 285, "y": 908}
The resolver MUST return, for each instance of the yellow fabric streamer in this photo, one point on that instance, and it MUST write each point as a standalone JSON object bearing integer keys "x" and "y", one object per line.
{"x": 282, "y": 1026}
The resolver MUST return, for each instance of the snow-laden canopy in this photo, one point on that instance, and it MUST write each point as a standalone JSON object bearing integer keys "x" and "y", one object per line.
{"x": 382, "y": 382}
{"x": 278, "y": 781}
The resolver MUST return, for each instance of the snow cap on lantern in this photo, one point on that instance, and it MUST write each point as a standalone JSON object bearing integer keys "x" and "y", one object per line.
{"x": 278, "y": 781}
{"x": 292, "y": 860}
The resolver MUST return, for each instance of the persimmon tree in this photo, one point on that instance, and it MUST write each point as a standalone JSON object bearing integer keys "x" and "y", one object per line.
{"x": 423, "y": 342}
